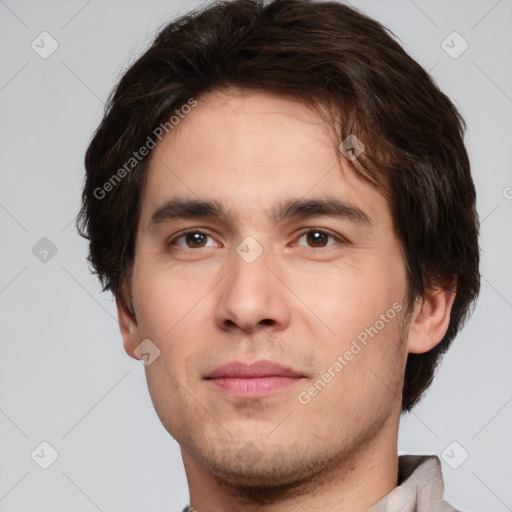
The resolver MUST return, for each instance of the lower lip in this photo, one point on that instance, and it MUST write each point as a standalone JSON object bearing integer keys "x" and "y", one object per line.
{"x": 254, "y": 386}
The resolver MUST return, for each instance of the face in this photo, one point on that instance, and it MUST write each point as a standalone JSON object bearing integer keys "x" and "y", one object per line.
{"x": 256, "y": 245}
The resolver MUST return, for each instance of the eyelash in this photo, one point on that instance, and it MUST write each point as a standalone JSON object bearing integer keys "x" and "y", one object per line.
{"x": 185, "y": 232}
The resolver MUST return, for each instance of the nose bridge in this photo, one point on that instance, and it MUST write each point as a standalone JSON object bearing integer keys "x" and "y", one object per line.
{"x": 252, "y": 296}
{"x": 250, "y": 281}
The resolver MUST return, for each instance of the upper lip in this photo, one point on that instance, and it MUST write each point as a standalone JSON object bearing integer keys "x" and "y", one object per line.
{"x": 261, "y": 368}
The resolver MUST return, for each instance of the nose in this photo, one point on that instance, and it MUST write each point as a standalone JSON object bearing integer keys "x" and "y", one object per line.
{"x": 253, "y": 297}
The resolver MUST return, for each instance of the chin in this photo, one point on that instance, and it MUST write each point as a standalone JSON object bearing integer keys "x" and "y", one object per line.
{"x": 261, "y": 476}
{"x": 271, "y": 466}
{"x": 277, "y": 476}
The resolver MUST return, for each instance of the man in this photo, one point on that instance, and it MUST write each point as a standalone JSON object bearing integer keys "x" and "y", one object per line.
{"x": 280, "y": 199}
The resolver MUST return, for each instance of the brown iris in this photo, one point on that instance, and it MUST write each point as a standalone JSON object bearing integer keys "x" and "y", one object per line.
{"x": 317, "y": 238}
{"x": 195, "y": 239}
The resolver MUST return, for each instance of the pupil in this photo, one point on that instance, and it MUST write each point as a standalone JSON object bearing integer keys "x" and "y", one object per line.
{"x": 317, "y": 238}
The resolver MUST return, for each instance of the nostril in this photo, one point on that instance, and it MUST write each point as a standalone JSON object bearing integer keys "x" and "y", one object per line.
{"x": 267, "y": 321}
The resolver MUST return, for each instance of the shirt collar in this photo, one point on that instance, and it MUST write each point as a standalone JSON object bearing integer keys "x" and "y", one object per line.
{"x": 420, "y": 487}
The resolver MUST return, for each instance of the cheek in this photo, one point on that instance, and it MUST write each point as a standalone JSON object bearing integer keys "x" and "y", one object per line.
{"x": 361, "y": 374}
{"x": 173, "y": 311}
{"x": 361, "y": 356}
{"x": 348, "y": 297}
{"x": 162, "y": 299}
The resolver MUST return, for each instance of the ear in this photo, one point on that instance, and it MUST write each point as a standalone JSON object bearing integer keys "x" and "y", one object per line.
{"x": 128, "y": 327}
{"x": 430, "y": 319}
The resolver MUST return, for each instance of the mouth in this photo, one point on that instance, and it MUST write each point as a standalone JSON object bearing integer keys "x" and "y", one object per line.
{"x": 256, "y": 379}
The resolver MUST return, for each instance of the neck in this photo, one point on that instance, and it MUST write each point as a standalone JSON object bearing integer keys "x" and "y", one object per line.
{"x": 354, "y": 482}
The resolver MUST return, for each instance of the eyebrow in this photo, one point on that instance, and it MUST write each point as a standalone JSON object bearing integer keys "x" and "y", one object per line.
{"x": 184, "y": 208}
{"x": 328, "y": 207}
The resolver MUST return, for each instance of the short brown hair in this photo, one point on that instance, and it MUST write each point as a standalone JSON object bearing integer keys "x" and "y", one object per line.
{"x": 323, "y": 53}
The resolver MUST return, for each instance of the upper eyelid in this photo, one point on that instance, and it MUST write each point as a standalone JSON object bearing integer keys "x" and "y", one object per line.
{"x": 184, "y": 232}
{"x": 328, "y": 232}
{"x": 323, "y": 230}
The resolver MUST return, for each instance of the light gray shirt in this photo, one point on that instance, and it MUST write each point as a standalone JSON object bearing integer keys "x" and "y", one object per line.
{"x": 420, "y": 487}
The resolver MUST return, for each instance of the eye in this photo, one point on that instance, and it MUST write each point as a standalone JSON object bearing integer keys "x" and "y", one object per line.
{"x": 318, "y": 238}
{"x": 191, "y": 239}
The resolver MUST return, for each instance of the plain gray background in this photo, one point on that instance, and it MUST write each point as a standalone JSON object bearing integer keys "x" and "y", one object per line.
{"x": 65, "y": 378}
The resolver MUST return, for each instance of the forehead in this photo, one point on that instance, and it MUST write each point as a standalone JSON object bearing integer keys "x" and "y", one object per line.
{"x": 231, "y": 127}
{"x": 250, "y": 150}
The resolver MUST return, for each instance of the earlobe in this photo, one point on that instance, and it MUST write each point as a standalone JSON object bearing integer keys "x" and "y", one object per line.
{"x": 128, "y": 327}
{"x": 430, "y": 319}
